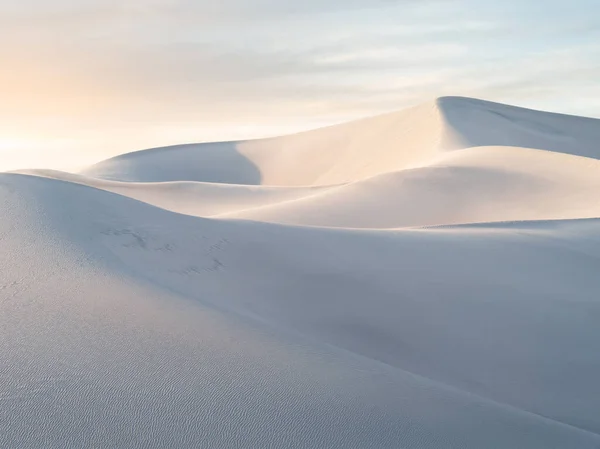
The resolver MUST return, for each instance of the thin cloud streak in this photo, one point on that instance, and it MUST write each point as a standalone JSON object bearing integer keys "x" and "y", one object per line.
{"x": 175, "y": 71}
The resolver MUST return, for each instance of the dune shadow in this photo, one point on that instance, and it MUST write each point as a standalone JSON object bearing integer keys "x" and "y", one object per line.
{"x": 219, "y": 162}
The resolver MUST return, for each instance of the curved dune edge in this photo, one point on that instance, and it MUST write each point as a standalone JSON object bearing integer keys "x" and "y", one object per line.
{"x": 484, "y": 184}
{"x": 201, "y": 199}
{"x": 361, "y": 149}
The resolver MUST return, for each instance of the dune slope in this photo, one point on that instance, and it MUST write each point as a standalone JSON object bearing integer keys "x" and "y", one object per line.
{"x": 220, "y": 295}
{"x": 463, "y": 186}
{"x": 361, "y": 149}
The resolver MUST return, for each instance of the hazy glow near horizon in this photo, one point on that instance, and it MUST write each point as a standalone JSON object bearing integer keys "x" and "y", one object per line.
{"x": 88, "y": 80}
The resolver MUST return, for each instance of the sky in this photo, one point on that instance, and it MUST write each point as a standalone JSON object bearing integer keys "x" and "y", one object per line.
{"x": 83, "y": 80}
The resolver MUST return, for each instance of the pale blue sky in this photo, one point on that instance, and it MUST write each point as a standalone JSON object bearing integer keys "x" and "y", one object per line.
{"x": 83, "y": 80}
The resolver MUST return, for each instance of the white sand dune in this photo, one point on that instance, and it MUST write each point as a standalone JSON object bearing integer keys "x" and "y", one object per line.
{"x": 198, "y": 296}
{"x": 471, "y": 185}
{"x": 202, "y": 199}
{"x": 362, "y": 149}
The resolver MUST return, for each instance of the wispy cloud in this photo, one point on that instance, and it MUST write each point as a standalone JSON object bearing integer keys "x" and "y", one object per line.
{"x": 161, "y": 71}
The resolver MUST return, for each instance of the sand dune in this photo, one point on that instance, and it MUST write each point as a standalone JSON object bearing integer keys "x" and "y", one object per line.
{"x": 202, "y": 199}
{"x": 464, "y": 186}
{"x": 214, "y": 295}
{"x": 362, "y": 149}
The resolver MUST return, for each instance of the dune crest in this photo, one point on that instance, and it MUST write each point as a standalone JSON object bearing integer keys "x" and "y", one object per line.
{"x": 361, "y": 149}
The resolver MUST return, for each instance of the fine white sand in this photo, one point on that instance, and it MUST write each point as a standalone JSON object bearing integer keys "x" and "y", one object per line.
{"x": 222, "y": 295}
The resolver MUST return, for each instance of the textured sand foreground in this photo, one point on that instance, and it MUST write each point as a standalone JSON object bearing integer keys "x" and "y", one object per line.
{"x": 422, "y": 279}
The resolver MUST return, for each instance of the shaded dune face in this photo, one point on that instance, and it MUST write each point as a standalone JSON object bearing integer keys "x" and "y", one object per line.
{"x": 218, "y": 163}
{"x": 426, "y": 278}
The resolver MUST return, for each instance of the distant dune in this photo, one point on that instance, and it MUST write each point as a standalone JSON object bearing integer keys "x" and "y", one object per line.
{"x": 423, "y": 279}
